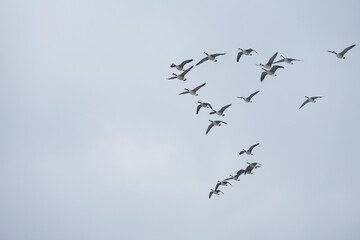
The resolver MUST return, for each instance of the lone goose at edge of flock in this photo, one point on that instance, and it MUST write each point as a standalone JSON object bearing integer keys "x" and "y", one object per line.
{"x": 341, "y": 54}
{"x": 221, "y": 111}
{"x": 310, "y": 99}
{"x": 287, "y": 60}
{"x": 269, "y": 63}
{"x": 180, "y": 67}
{"x": 248, "y": 152}
{"x": 210, "y": 57}
{"x": 270, "y": 72}
{"x": 204, "y": 105}
{"x": 248, "y": 99}
{"x": 182, "y": 75}
{"x": 192, "y": 91}
{"x": 251, "y": 166}
{"x": 214, "y": 123}
{"x": 245, "y": 52}
{"x": 216, "y": 191}
{"x": 236, "y": 177}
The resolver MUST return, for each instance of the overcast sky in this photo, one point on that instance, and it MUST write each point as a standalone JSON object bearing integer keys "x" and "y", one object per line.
{"x": 95, "y": 143}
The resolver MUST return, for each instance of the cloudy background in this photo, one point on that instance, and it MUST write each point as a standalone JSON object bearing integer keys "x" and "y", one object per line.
{"x": 95, "y": 143}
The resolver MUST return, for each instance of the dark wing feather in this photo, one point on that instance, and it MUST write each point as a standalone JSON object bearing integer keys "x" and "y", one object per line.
{"x": 185, "y": 62}
{"x": 198, "y": 108}
{"x": 304, "y": 103}
{"x": 253, "y": 94}
{"x": 251, "y": 148}
{"x": 198, "y": 87}
{"x": 186, "y": 71}
{"x": 224, "y": 107}
{"x": 202, "y": 60}
{"x": 347, "y": 49}
{"x": 263, "y": 75}
{"x": 272, "y": 59}
{"x": 208, "y": 129}
{"x": 238, "y": 56}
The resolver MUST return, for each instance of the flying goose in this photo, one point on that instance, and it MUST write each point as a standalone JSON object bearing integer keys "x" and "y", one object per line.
{"x": 210, "y": 57}
{"x": 248, "y": 152}
{"x": 214, "y": 123}
{"x": 182, "y": 75}
{"x": 204, "y": 105}
{"x": 341, "y": 54}
{"x": 248, "y": 99}
{"x": 251, "y": 166}
{"x": 216, "y": 191}
{"x": 221, "y": 111}
{"x": 270, "y": 72}
{"x": 309, "y": 99}
{"x": 269, "y": 63}
{"x": 180, "y": 67}
{"x": 287, "y": 60}
{"x": 222, "y": 183}
{"x": 245, "y": 52}
{"x": 193, "y": 91}
{"x": 236, "y": 177}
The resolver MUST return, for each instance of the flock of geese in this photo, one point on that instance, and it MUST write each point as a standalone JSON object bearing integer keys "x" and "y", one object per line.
{"x": 269, "y": 68}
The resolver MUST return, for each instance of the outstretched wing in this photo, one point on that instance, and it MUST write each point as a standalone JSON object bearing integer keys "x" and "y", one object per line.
{"x": 202, "y": 60}
{"x": 251, "y": 148}
{"x": 198, "y": 108}
{"x": 307, "y": 100}
{"x": 224, "y": 107}
{"x": 282, "y": 60}
{"x": 263, "y": 75}
{"x": 316, "y": 97}
{"x": 210, "y": 194}
{"x": 185, "y": 62}
{"x": 253, "y": 94}
{"x": 198, "y": 87}
{"x": 217, "y": 54}
{"x": 184, "y": 92}
{"x": 271, "y": 60}
{"x": 347, "y": 49}
{"x": 241, "y": 152}
{"x": 238, "y": 56}
{"x": 186, "y": 71}
{"x": 241, "y": 171}
{"x": 275, "y": 67}
{"x": 208, "y": 129}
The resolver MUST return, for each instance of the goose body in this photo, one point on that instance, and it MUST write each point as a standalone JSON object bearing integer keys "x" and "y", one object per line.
{"x": 245, "y": 52}
{"x": 342, "y": 53}
{"x": 268, "y": 65}
{"x": 211, "y": 57}
{"x": 249, "y": 151}
{"x": 270, "y": 72}
{"x": 287, "y": 60}
{"x": 309, "y": 99}
{"x": 214, "y": 123}
{"x": 204, "y": 105}
{"x": 180, "y": 67}
{"x": 251, "y": 167}
{"x": 236, "y": 177}
{"x": 248, "y": 99}
{"x": 181, "y": 76}
{"x": 192, "y": 91}
{"x": 221, "y": 111}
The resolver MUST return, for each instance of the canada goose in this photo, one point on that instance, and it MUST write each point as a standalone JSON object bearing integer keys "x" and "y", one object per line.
{"x": 269, "y": 63}
{"x": 216, "y": 191}
{"x": 248, "y": 152}
{"x": 248, "y": 99}
{"x": 287, "y": 60}
{"x": 245, "y": 52}
{"x": 221, "y": 111}
{"x": 193, "y": 91}
{"x": 222, "y": 183}
{"x": 270, "y": 72}
{"x": 210, "y": 57}
{"x": 251, "y": 166}
{"x": 182, "y": 75}
{"x": 214, "y": 123}
{"x": 341, "y": 54}
{"x": 181, "y": 65}
{"x": 236, "y": 177}
{"x": 204, "y": 105}
{"x": 309, "y": 99}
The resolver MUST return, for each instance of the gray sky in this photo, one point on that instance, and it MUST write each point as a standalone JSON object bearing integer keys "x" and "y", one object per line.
{"x": 95, "y": 143}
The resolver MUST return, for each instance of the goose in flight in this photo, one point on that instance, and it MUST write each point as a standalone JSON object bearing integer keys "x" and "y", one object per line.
{"x": 192, "y": 91}
{"x": 180, "y": 67}
{"x": 222, "y": 183}
{"x": 214, "y": 123}
{"x": 182, "y": 75}
{"x": 341, "y": 54}
{"x": 248, "y": 152}
{"x": 216, "y": 191}
{"x": 270, "y": 72}
{"x": 248, "y": 99}
{"x": 245, "y": 52}
{"x": 269, "y": 63}
{"x": 309, "y": 99}
{"x": 209, "y": 57}
{"x": 287, "y": 60}
{"x": 204, "y": 105}
{"x": 251, "y": 166}
{"x": 236, "y": 177}
{"x": 221, "y": 111}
